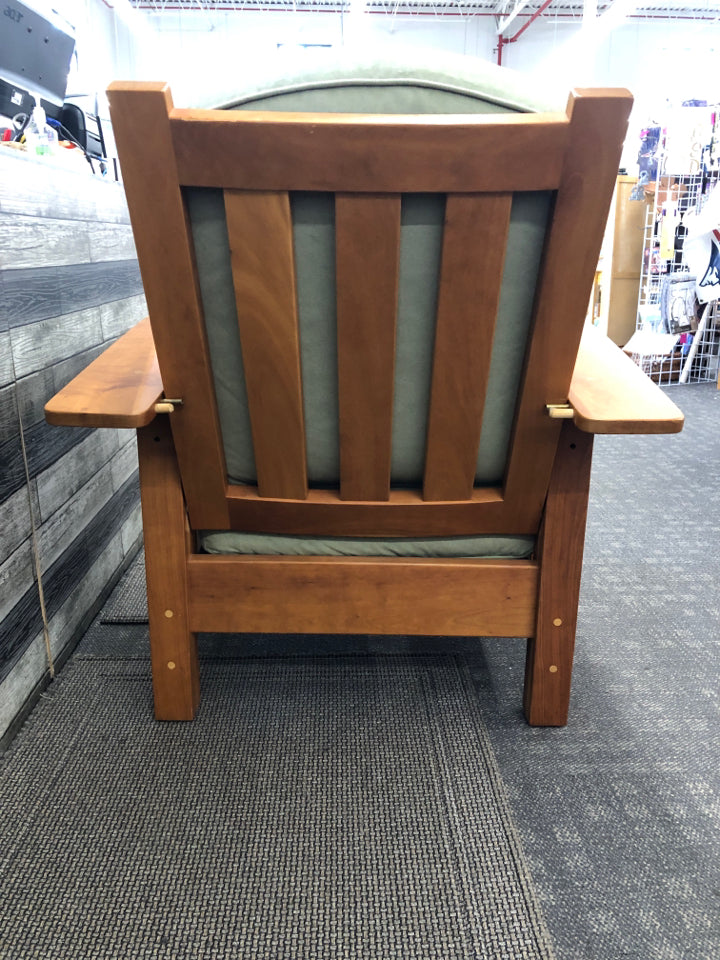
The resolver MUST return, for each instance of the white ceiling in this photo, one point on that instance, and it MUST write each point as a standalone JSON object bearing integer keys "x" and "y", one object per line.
{"x": 706, "y": 10}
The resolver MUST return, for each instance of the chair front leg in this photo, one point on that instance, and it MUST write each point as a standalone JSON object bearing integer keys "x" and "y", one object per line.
{"x": 548, "y": 668}
{"x": 173, "y": 648}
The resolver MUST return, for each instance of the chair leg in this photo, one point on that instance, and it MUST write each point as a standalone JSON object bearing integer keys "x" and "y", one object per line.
{"x": 173, "y": 649}
{"x": 548, "y": 668}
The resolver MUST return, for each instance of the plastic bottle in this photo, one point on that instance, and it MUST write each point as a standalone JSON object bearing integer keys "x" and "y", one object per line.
{"x": 40, "y": 137}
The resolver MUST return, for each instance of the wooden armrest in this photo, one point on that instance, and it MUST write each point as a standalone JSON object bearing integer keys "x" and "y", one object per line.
{"x": 118, "y": 389}
{"x": 610, "y": 394}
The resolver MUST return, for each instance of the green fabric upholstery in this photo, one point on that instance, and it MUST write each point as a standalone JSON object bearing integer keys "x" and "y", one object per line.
{"x": 264, "y": 544}
{"x": 407, "y": 85}
{"x": 401, "y": 85}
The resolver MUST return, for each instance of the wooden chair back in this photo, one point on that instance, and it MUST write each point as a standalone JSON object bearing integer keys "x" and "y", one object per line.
{"x": 368, "y": 163}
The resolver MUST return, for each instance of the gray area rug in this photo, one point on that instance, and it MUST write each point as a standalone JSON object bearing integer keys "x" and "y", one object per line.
{"x": 318, "y": 808}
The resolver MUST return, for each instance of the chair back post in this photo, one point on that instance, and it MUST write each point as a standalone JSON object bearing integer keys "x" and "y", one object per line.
{"x": 141, "y": 124}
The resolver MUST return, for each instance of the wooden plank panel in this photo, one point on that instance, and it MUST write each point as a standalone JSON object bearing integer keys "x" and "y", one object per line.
{"x": 367, "y": 256}
{"x": 550, "y": 650}
{"x": 471, "y": 275}
{"x": 261, "y": 249}
{"x": 43, "y": 242}
{"x": 404, "y": 514}
{"x": 598, "y": 122}
{"x": 57, "y": 484}
{"x": 117, "y": 316}
{"x": 142, "y": 132}
{"x": 41, "y": 292}
{"x": 373, "y": 154}
{"x": 350, "y": 595}
{"x": 59, "y": 194}
{"x": 39, "y": 345}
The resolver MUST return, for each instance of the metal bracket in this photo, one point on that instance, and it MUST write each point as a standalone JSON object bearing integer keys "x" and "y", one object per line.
{"x": 560, "y": 411}
{"x": 167, "y": 406}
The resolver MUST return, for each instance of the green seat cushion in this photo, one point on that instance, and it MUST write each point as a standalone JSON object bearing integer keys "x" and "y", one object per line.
{"x": 271, "y": 544}
{"x": 413, "y": 84}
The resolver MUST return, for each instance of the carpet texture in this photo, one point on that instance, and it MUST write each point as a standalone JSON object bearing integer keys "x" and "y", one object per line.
{"x": 339, "y": 807}
{"x": 619, "y": 812}
{"x": 128, "y": 601}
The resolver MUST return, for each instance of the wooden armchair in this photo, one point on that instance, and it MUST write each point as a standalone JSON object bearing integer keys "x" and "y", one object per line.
{"x": 351, "y": 527}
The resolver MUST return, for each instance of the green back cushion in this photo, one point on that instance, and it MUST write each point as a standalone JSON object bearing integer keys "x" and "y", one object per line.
{"x": 460, "y": 85}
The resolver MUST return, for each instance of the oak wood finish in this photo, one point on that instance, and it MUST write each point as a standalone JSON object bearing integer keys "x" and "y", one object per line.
{"x": 611, "y": 394}
{"x": 353, "y": 595}
{"x": 118, "y": 389}
{"x": 369, "y": 153}
{"x": 261, "y": 249}
{"x": 142, "y": 130}
{"x": 367, "y": 253}
{"x": 598, "y": 122}
{"x": 173, "y": 648}
{"x": 471, "y": 275}
{"x": 550, "y": 649}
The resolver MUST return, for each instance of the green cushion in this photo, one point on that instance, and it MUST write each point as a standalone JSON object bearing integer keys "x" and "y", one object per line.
{"x": 264, "y": 544}
{"x": 402, "y": 81}
{"x": 453, "y": 84}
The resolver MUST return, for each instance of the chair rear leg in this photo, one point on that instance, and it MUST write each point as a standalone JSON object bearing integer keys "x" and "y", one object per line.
{"x": 548, "y": 668}
{"x": 173, "y": 648}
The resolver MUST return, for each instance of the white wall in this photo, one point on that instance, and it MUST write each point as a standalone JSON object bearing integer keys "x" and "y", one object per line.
{"x": 657, "y": 59}
{"x": 111, "y": 39}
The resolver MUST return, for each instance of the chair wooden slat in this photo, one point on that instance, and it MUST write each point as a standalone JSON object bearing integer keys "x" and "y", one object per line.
{"x": 566, "y": 276}
{"x": 404, "y": 514}
{"x": 474, "y": 243}
{"x": 164, "y": 249}
{"x": 367, "y": 251}
{"x": 261, "y": 248}
{"x": 373, "y": 154}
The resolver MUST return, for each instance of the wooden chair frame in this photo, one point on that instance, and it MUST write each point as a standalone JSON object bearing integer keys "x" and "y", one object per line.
{"x": 367, "y": 162}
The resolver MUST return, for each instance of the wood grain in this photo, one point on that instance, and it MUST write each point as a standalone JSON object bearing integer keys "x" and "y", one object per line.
{"x": 142, "y": 133}
{"x": 58, "y": 194}
{"x": 368, "y": 250}
{"x": 403, "y": 514}
{"x": 611, "y": 394}
{"x": 351, "y": 595}
{"x": 173, "y": 647}
{"x": 471, "y": 276}
{"x": 261, "y": 249}
{"x": 369, "y": 153}
{"x": 36, "y": 346}
{"x": 598, "y": 124}
{"x": 560, "y": 552}
{"x": 119, "y": 389}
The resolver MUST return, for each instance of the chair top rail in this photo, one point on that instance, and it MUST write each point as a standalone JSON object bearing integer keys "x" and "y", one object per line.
{"x": 359, "y": 154}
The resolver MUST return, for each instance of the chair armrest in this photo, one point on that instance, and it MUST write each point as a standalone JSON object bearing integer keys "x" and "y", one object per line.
{"x": 118, "y": 389}
{"x": 610, "y": 394}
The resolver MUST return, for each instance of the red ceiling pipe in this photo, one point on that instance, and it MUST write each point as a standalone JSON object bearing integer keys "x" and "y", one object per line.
{"x": 504, "y": 41}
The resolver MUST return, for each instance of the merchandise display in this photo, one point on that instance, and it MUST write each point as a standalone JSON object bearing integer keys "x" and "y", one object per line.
{"x": 678, "y": 319}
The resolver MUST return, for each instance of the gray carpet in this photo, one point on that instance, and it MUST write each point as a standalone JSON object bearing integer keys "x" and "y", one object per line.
{"x": 619, "y": 813}
{"x": 339, "y": 807}
{"x": 128, "y": 601}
